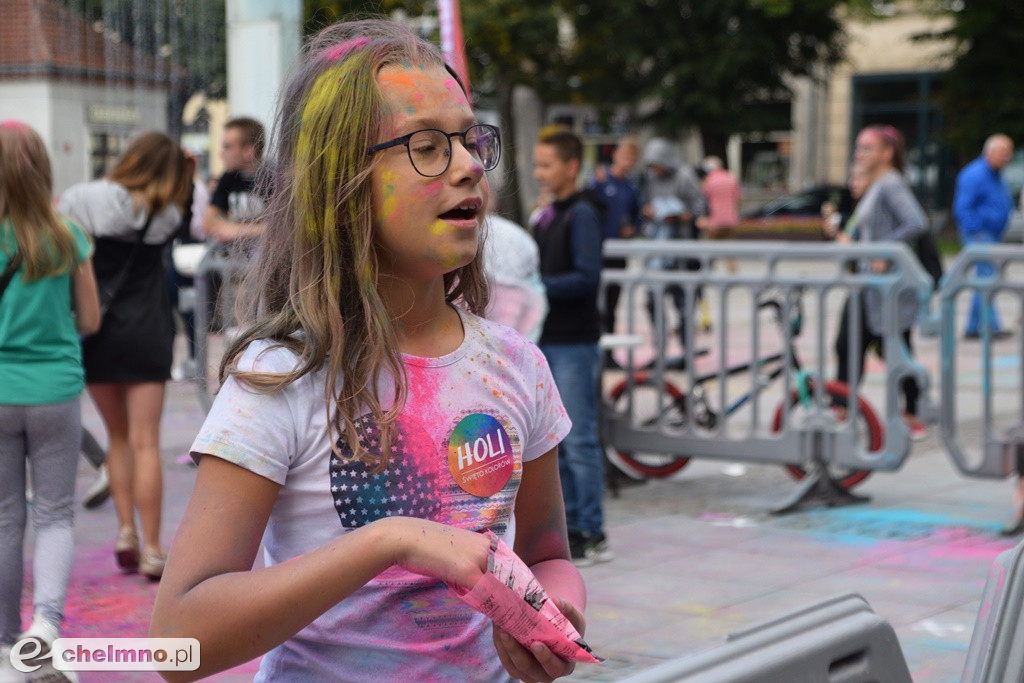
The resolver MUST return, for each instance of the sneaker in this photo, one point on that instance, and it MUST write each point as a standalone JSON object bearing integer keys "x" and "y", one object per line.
{"x": 99, "y": 490}
{"x": 588, "y": 549}
{"x": 918, "y": 432}
{"x": 578, "y": 549}
{"x": 42, "y": 631}
{"x": 598, "y": 550}
{"x": 8, "y": 674}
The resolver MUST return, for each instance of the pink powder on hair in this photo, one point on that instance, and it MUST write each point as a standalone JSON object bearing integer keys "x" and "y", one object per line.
{"x": 336, "y": 52}
{"x": 11, "y": 123}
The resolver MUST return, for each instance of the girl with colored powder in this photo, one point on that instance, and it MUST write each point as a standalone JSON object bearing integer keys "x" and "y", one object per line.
{"x": 47, "y": 298}
{"x": 370, "y": 423}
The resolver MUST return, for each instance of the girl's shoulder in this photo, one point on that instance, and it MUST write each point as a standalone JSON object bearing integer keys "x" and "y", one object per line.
{"x": 503, "y": 343}
{"x": 267, "y": 356}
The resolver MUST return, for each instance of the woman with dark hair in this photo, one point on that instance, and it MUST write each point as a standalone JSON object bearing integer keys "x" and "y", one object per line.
{"x": 47, "y": 298}
{"x": 887, "y": 212}
{"x": 132, "y": 214}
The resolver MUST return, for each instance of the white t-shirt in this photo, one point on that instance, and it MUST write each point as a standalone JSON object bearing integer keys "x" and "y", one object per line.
{"x": 105, "y": 209}
{"x": 473, "y": 416}
{"x": 512, "y": 265}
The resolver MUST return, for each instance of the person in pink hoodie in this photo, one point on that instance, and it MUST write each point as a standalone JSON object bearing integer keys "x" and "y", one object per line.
{"x": 722, "y": 191}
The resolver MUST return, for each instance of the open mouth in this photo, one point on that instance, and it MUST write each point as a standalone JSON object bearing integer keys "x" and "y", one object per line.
{"x": 459, "y": 214}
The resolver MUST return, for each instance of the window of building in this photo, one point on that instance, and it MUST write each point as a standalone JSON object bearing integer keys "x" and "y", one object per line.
{"x": 911, "y": 103}
{"x": 104, "y": 149}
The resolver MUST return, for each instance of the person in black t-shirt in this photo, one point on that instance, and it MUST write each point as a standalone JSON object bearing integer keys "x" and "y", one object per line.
{"x": 235, "y": 207}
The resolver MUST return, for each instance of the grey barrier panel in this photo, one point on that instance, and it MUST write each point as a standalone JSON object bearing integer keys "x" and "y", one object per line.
{"x": 996, "y": 654}
{"x": 805, "y": 434}
{"x": 998, "y": 449}
{"x": 216, "y": 262}
{"x": 840, "y": 640}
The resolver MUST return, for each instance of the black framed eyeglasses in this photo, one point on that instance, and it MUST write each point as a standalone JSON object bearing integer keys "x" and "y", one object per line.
{"x": 430, "y": 149}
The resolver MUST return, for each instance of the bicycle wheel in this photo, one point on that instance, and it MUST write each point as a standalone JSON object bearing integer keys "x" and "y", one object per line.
{"x": 648, "y": 411}
{"x": 870, "y": 429}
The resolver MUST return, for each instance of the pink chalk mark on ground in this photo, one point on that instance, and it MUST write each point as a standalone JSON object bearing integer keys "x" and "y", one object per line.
{"x": 102, "y": 602}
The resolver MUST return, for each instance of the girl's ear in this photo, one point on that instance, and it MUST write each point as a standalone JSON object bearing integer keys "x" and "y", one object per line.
{"x": 888, "y": 153}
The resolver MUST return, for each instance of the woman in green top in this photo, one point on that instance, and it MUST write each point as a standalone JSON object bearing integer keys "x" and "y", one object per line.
{"x": 50, "y": 299}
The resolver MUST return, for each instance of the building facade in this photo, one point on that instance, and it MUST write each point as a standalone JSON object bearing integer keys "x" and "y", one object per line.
{"x": 85, "y": 92}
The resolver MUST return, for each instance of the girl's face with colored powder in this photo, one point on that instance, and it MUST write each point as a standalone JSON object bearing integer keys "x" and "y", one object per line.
{"x": 426, "y": 227}
{"x": 871, "y": 153}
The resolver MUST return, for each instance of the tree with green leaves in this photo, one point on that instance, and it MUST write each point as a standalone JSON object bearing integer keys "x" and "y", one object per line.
{"x": 983, "y": 92}
{"x": 721, "y": 67}
{"x": 189, "y": 34}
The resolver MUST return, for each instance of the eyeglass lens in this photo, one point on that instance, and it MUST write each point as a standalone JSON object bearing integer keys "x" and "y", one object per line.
{"x": 430, "y": 150}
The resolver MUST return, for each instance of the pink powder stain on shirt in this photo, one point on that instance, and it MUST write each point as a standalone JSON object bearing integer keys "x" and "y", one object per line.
{"x": 336, "y": 52}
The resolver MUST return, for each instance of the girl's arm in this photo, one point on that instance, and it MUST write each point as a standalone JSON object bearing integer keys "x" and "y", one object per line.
{"x": 210, "y": 592}
{"x": 542, "y": 543}
{"x": 86, "y": 298}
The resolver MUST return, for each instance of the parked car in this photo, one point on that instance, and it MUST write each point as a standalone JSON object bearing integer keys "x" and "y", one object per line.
{"x": 799, "y": 208}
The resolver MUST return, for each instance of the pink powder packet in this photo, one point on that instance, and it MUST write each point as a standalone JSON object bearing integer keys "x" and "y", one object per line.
{"x": 510, "y": 595}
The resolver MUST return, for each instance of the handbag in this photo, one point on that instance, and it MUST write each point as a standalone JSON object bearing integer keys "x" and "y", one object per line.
{"x": 9, "y": 271}
{"x": 109, "y": 293}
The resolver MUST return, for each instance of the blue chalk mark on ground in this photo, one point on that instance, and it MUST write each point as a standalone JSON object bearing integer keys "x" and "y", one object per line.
{"x": 868, "y": 526}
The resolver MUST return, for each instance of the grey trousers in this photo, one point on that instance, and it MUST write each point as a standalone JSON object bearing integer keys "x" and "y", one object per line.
{"x": 48, "y": 436}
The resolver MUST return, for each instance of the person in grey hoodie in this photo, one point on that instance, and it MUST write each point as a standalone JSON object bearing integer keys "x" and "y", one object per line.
{"x": 668, "y": 182}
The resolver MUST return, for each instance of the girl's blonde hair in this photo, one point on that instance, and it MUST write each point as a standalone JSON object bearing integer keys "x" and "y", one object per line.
{"x": 46, "y": 243}
{"x": 315, "y": 280}
{"x": 154, "y": 166}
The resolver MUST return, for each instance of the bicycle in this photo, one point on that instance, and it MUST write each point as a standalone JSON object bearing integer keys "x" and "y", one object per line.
{"x": 672, "y": 411}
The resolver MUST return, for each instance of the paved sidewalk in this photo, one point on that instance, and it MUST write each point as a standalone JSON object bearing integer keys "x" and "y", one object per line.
{"x": 696, "y": 557}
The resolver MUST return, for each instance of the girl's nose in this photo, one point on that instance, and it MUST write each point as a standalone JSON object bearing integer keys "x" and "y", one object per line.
{"x": 464, "y": 166}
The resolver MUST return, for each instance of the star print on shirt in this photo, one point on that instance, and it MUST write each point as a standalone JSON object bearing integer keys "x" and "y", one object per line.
{"x": 362, "y": 496}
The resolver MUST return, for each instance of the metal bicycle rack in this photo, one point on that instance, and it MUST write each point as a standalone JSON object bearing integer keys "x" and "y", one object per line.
{"x": 813, "y": 439}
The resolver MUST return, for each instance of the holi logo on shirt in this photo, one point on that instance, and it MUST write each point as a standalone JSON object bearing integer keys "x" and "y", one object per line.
{"x": 480, "y": 455}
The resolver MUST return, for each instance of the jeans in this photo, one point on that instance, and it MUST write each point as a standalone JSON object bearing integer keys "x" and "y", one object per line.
{"x": 984, "y": 269}
{"x": 48, "y": 436}
{"x": 575, "y": 369}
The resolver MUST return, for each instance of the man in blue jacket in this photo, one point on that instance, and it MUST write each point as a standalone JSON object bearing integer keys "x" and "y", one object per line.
{"x": 982, "y": 207}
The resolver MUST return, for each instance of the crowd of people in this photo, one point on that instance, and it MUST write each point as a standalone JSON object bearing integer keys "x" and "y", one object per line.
{"x": 369, "y": 294}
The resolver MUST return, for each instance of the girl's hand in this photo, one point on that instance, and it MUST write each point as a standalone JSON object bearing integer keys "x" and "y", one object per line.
{"x": 536, "y": 663}
{"x": 442, "y": 552}
{"x": 844, "y": 238}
